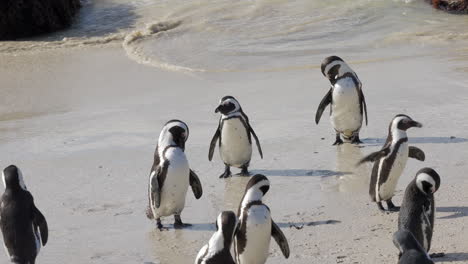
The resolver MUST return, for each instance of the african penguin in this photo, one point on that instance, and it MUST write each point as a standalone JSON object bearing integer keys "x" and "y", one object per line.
{"x": 256, "y": 226}
{"x": 23, "y": 226}
{"x": 234, "y": 134}
{"x": 218, "y": 249}
{"x": 348, "y": 105}
{"x": 417, "y": 209}
{"x": 390, "y": 161}
{"x": 411, "y": 251}
{"x": 171, "y": 175}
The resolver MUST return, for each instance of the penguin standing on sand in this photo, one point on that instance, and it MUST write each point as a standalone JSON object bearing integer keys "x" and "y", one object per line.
{"x": 256, "y": 226}
{"x": 390, "y": 161}
{"x": 171, "y": 175}
{"x": 218, "y": 249}
{"x": 348, "y": 105}
{"x": 23, "y": 226}
{"x": 234, "y": 134}
{"x": 418, "y": 210}
{"x": 411, "y": 251}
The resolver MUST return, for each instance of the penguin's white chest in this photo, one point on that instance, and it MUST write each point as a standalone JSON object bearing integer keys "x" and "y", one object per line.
{"x": 258, "y": 234}
{"x": 346, "y": 111}
{"x": 387, "y": 189}
{"x": 426, "y": 227}
{"x": 176, "y": 183}
{"x": 235, "y": 150}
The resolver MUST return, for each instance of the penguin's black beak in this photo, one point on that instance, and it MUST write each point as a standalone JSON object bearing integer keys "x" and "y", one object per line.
{"x": 415, "y": 124}
{"x": 217, "y": 109}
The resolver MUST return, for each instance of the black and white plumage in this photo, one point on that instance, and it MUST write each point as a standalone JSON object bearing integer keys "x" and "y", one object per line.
{"x": 218, "y": 249}
{"x": 390, "y": 161}
{"x": 418, "y": 209}
{"x": 171, "y": 175}
{"x": 411, "y": 251}
{"x": 256, "y": 226}
{"x": 234, "y": 135}
{"x": 347, "y": 103}
{"x": 23, "y": 226}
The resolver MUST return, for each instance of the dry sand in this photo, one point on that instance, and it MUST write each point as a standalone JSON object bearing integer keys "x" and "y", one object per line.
{"x": 83, "y": 124}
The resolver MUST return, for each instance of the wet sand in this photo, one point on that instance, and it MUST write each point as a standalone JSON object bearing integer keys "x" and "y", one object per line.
{"x": 83, "y": 124}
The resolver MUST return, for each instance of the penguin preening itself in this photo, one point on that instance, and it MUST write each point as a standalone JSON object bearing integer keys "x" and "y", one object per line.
{"x": 256, "y": 226}
{"x": 390, "y": 161}
{"x": 171, "y": 175}
{"x": 411, "y": 251}
{"x": 234, "y": 134}
{"x": 24, "y": 228}
{"x": 347, "y": 103}
{"x": 418, "y": 209}
{"x": 218, "y": 249}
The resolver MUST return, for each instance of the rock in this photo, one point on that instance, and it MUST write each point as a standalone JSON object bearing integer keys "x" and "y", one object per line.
{"x": 452, "y": 6}
{"x": 24, "y": 18}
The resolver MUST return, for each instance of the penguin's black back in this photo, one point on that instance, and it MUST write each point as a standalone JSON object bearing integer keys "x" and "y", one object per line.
{"x": 16, "y": 223}
{"x": 412, "y": 207}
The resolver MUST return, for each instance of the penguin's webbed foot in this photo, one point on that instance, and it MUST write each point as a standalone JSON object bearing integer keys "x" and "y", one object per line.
{"x": 380, "y": 206}
{"x": 392, "y": 207}
{"x": 355, "y": 140}
{"x": 437, "y": 255}
{"x": 244, "y": 171}
{"x": 160, "y": 226}
{"x": 226, "y": 173}
{"x": 178, "y": 224}
{"x": 338, "y": 142}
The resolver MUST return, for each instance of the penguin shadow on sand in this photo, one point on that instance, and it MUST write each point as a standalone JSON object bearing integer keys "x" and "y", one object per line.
{"x": 418, "y": 140}
{"x": 299, "y": 173}
{"x": 452, "y": 257}
{"x": 456, "y": 211}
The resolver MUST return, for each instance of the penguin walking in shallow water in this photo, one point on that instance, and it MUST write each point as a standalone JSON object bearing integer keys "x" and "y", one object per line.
{"x": 256, "y": 226}
{"x": 411, "y": 251}
{"x": 171, "y": 175}
{"x": 418, "y": 209}
{"x": 347, "y": 103}
{"x": 234, "y": 134}
{"x": 390, "y": 161}
{"x": 218, "y": 249}
{"x": 23, "y": 226}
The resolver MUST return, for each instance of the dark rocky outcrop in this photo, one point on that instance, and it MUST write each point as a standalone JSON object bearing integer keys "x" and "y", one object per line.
{"x": 452, "y": 6}
{"x": 24, "y": 18}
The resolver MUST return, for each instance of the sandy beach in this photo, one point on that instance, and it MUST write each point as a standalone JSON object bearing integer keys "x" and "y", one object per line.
{"x": 82, "y": 122}
{"x": 84, "y": 134}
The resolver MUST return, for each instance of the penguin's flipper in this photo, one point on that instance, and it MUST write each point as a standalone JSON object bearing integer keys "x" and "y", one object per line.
{"x": 416, "y": 153}
{"x": 256, "y": 141}
{"x": 362, "y": 101}
{"x": 279, "y": 237}
{"x": 374, "y": 156}
{"x": 323, "y": 104}
{"x": 155, "y": 190}
{"x": 213, "y": 142}
{"x": 196, "y": 185}
{"x": 40, "y": 222}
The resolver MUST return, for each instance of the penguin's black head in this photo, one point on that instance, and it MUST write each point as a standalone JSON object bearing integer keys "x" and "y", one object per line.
{"x": 404, "y": 122}
{"x": 178, "y": 130}
{"x": 13, "y": 178}
{"x": 327, "y": 61}
{"x": 427, "y": 181}
{"x": 259, "y": 182}
{"x": 228, "y": 223}
{"x": 404, "y": 241}
{"x": 227, "y": 105}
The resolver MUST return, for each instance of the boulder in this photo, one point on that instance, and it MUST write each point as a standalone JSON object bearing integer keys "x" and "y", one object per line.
{"x": 25, "y": 18}
{"x": 452, "y": 6}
